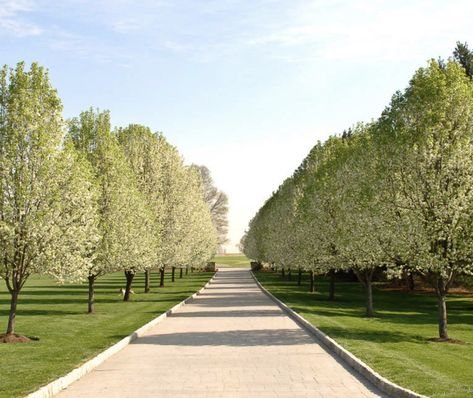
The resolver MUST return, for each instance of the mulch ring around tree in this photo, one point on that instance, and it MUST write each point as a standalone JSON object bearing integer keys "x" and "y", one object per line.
{"x": 444, "y": 340}
{"x": 13, "y": 338}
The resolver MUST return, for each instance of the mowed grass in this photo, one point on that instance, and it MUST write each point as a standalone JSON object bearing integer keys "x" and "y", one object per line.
{"x": 236, "y": 260}
{"x": 68, "y": 336}
{"x": 395, "y": 343}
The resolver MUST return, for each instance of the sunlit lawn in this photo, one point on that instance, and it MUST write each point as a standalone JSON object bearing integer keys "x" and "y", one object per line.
{"x": 232, "y": 260}
{"x": 67, "y": 335}
{"x": 395, "y": 343}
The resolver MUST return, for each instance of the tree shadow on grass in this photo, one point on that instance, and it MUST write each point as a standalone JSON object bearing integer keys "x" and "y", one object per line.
{"x": 28, "y": 312}
{"x": 377, "y": 336}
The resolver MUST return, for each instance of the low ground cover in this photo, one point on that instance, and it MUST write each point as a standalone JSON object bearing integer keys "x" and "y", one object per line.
{"x": 236, "y": 260}
{"x": 396, "y": 342}
{"x": 56, "y": 314}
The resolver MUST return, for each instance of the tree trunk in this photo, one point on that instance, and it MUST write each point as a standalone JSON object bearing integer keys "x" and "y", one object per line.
{"x": 366, "y": 278}
{"x": 129, "y": 279}
{"x": 11, "y": 317}
{"x": 410, "y": 282}
{"x": 311, "y": 279}
{"x": 147, "y": 281}
{"x": 369, "y": 293}
{"x": 192, "y": 270}
{"x": 91, "y": 309}
{"x": 173, "y": 274}
{"x": 331, "y": 290}
{"x": 442, "y": 308}
{"x": 161, "y": 277}
{"x": 283, "y": 272}
{"x": 180, "y": 273}
{"x": 187, "y": 269}
{"x": 289, "y": 275}
{"x": 299, "y": 276}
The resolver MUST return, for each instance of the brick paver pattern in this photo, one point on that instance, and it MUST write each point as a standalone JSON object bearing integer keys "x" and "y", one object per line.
{"x": 231, "y": 341}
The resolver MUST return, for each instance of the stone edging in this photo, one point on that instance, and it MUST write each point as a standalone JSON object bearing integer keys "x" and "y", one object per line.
{"x": 63, "y": 382}
{"x": 346, "y": 356}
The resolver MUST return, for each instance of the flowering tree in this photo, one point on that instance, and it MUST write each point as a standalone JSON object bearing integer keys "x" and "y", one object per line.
{"x": 47, "y": 199}
{"x": 141, "y": 149}
{"x": 125, "y": 223}
{"x": 426, "y": 139}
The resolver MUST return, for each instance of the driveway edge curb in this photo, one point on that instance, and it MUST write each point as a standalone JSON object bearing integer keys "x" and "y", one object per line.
{"x": 56, "y": 386}
{"x": 346, "y": 356}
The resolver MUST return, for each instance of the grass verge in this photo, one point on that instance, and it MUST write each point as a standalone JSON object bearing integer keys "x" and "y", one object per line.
{"x": 68, "y": 337}
{"x": 396, "y": 342}
{"x": 232, "y": 261}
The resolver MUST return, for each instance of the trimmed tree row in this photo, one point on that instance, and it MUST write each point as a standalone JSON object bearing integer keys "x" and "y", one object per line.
{"x": 394, "y": 195}
{"x": 78, "y": 200}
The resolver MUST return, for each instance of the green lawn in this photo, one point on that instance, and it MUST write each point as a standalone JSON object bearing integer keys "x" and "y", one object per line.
{"x": 68, "y": 336}
{"x": 236, "y": 260}
{"x": 395, "y": 343}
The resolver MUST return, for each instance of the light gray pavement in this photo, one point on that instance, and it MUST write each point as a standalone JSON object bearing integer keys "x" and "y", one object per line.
{"x": 231, "y": 341}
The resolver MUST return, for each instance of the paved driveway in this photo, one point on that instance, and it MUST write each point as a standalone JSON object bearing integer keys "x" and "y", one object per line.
{"x": 231, "y": 341}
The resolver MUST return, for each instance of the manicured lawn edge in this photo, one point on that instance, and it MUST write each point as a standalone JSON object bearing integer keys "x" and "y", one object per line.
{"x": 346, "y": 356}
{"x": 63, "y": 382}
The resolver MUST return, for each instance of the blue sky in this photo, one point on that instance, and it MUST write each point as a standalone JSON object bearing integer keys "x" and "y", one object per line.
{"x": 244, "y": 87}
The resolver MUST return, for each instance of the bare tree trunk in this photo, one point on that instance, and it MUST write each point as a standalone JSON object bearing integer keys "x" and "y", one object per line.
{"x": 410, "y": 282}
{"x": 441, "y": 291}
{"x": 283, "y": 272}
{"x": 147, "y": 281}
{"x": 369, "y": 292}
{"x": 129, "y": 279}
{"x": 173, "y": 274}
{"x": 187, "y": 269}
{"x": 331, "y": 290}
{"x": 299, "y": 277}
{"x": 312, "y": 279}
{"x": 366, "y": 279}
{"x": 91, "y": 302}
{"x": 11, "y": 317}
{"x": 180, "y": 273}
{"x": 161, "y": 276}
{"x": 289, "y": 275}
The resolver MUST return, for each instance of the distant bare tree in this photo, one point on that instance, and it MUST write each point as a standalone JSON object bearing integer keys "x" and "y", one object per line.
{"x": 218, "y": 203}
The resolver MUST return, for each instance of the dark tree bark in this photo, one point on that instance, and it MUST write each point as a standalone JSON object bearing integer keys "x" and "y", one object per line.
{"x": 173, "y": 274}
{"x": 91, "y": 300}
{"x": 180, "y": 273}
{"x": 12, "y": 315}
{"x": 441, "y": 290}
{"x": 161, "y": 276}
{"x": 410, "y": 282}
{"x": 289, "y": 275}
{"x": 299, "y": 277}
{"x": 331, "y": 289}
{"x": 366, "y": 279}
{"x": 311, "y": 280}
{"x": 283, "y": 272}
{"x": 187, "y": 269}
{"x": 147, "y": 281}
{"x": 129, "y": 280}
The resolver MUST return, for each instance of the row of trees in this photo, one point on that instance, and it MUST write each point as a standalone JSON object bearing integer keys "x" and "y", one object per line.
{"x": 394, "y": 195}
{"x": 78, "y": 200}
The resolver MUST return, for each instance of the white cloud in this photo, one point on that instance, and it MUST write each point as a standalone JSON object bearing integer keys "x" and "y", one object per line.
{"x": 366, "y": 30}
{"x": 12, "y": 22}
